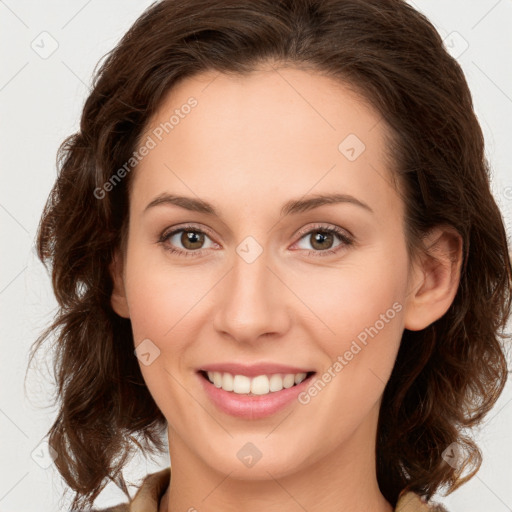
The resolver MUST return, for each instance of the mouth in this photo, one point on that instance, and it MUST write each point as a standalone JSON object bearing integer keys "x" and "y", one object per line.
{"x": 259, "y": 385}
{"x": 253, "y": 392}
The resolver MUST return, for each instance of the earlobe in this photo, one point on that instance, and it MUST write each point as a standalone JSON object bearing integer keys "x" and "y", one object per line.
{"x": 436, "y": 279}
{"x": 118, "y": 298}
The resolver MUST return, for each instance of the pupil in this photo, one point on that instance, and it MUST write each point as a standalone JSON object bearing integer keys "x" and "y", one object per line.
{"x": 191, "y": 237}
{"x": 319, "y": 238}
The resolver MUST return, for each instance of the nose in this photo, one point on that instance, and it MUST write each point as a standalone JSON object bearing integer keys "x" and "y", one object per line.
{"x": 252, "y": 301}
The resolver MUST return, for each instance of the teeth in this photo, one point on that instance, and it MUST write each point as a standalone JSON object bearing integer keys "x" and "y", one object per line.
{"x": 227, "y": 381}
{"x": 276, "y": 383}
{"x": 260, "y": 385}
{"x": 241, "y": 384}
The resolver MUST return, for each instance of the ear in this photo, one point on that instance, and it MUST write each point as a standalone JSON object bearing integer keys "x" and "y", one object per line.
{"x": 435, "y": 278}
{"x": 118, "y": 298}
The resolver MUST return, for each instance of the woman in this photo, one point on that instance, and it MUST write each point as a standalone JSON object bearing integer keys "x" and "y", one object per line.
{"x": 274, "y": 237}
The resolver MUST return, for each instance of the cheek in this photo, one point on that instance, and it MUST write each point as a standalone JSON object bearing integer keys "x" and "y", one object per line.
{"x": 356, "y": 311}
{"x": 163, "y": 297}
{"x": 359, "y": 336}
{"x": 347, "y": 299}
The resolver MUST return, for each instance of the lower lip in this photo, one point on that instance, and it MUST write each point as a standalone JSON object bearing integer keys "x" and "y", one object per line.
{"x": 252, "y": 407}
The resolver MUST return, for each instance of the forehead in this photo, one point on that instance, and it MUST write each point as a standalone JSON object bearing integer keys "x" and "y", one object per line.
{"x": 271, "y": 105}
{"x": 273, "y": 129}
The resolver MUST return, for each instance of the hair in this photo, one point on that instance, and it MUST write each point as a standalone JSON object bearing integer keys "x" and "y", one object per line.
{"x": 446, "y": 377}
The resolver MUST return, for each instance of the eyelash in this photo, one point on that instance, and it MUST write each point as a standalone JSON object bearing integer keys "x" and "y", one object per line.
{"x": 347, "y": 240}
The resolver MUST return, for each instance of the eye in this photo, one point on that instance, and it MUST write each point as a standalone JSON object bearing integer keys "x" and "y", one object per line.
{"x": 322, "y": 238}
{"x": 189, "y": 237}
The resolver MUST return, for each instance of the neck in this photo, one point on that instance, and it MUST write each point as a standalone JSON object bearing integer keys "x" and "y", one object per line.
{"x": 164, "y": 502}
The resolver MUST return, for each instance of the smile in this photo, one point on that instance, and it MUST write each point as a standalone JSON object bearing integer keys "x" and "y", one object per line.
{"x": 252, "y": 398}
{"x": 259, "y": 385}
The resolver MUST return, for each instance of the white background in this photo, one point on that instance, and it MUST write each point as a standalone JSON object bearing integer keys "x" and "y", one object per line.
{"x": 41, "y": 100}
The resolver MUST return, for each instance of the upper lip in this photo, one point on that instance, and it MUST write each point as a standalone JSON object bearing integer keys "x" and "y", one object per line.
{"x": 253, "y": 370}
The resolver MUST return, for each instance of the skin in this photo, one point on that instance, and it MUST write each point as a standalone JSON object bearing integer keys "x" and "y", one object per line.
{"x": 251, "y": 144}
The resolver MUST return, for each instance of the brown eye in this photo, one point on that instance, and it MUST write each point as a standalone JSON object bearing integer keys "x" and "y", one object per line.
{"x": 192, "y": 239}
{"x": 186, "y": 241}
{"x": 321, "y": 240}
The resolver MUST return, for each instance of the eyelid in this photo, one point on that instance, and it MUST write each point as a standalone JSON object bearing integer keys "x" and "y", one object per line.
{"x": 324, "y": 225}
{"x": 184, "y": 227}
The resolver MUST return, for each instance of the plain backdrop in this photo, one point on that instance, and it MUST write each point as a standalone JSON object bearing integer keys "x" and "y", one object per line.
{"x": 48, "y": 53}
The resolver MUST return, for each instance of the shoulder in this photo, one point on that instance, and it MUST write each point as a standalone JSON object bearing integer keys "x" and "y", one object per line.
{"x": 148, "y": 495}
{"x": 118, "y": 508}
{"x": 412, "y": 502}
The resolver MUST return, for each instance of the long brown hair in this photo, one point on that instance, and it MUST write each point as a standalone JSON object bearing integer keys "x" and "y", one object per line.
{"x": 446, "y": 377}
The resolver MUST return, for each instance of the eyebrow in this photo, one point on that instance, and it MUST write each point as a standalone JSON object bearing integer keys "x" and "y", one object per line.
{"x": 291, "y": 207}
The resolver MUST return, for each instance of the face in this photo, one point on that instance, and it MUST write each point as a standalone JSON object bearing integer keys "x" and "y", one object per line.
{"x": 270, "y": 278}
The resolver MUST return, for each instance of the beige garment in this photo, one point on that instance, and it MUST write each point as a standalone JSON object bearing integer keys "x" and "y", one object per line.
{"x": 154, "y": 486}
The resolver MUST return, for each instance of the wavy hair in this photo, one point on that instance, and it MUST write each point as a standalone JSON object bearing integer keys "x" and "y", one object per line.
{"x": 446, "y": 377}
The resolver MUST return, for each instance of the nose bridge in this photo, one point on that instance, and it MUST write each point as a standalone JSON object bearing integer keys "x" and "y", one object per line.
{"x": 249, "y": 305}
